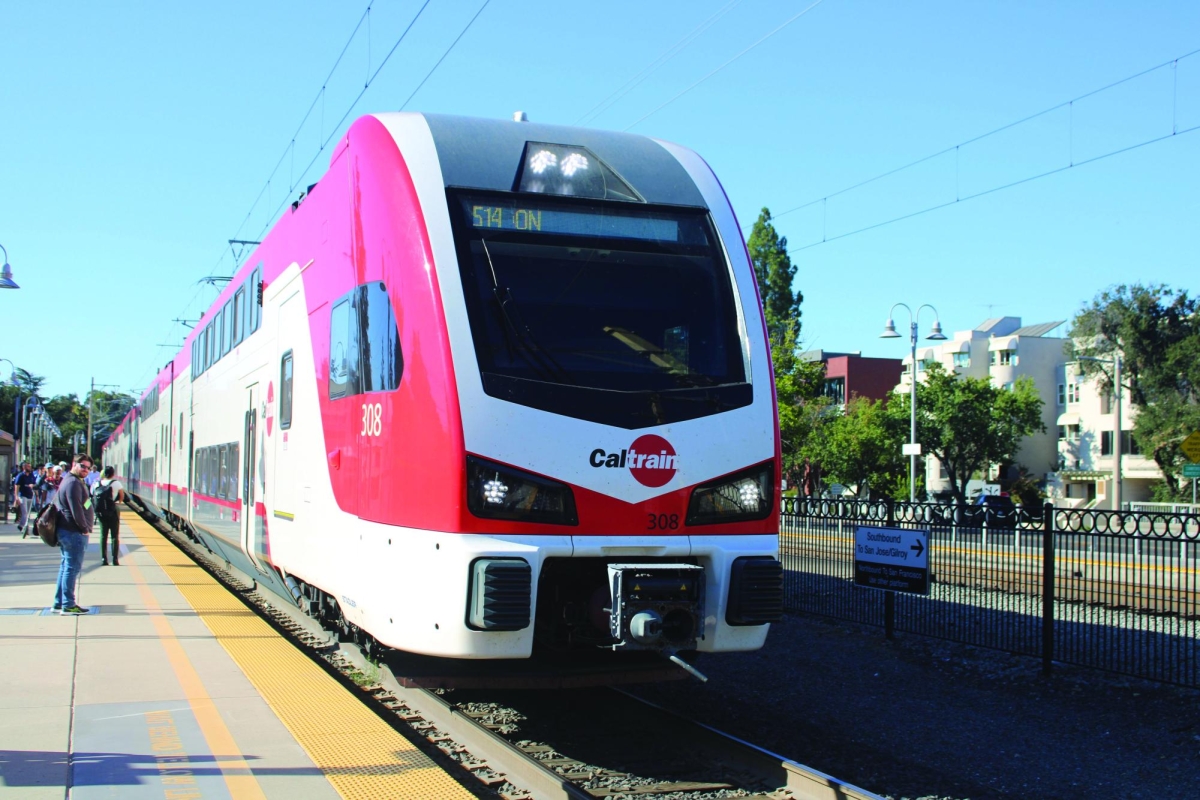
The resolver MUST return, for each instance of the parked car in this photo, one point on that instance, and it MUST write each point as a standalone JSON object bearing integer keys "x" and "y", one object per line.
{"x": 999, "y": 511}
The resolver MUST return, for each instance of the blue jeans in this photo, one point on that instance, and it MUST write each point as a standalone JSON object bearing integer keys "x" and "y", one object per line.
{"x": 72, "y": 544}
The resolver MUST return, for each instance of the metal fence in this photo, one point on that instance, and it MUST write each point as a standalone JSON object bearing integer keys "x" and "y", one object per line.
{"x": 1112, "y": 590}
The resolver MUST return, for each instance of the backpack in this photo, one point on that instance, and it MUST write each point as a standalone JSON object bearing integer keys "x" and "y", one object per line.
{"x": 102, "y": 500}
{"x": 47, "y": 525}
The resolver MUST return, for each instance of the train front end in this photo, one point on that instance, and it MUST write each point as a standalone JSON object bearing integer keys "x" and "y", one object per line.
{"x": 619, "y": 429}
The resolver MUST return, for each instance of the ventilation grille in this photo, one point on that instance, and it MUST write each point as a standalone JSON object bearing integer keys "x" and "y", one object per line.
{"x": 755, "y": 592}
{"x": 501, "y": 590}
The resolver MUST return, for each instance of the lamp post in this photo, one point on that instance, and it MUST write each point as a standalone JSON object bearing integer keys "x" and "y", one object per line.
{"x": 1115, "y": 361}
{"x": 6, "y": 278}
{"x": 26, "y": 429}
{"x": 935, "y": 334}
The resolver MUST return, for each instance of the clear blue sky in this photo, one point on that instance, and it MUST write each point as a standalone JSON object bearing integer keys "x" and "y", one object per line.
{"x": 136, "y": 137}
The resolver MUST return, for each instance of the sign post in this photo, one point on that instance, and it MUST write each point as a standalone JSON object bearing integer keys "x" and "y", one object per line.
{"x": 1191, "y": 449}
{"x": 892, "y": 559}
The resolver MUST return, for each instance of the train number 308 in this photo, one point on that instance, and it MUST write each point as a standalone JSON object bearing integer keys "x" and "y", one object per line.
{"x": 662, "y": 522}
{"x": 372, "y": 419}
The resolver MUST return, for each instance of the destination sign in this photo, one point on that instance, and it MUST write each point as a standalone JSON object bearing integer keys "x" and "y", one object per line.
{"x": 1191, "y": 470}
{"x": 531, "y": 218}
{"x": 893, "y": 559}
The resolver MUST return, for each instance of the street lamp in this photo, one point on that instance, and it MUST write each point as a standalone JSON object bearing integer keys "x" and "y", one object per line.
{"x": 1115, "y": 361}
{"x": 6, "y": 279}
{"x": 935, "y": 334}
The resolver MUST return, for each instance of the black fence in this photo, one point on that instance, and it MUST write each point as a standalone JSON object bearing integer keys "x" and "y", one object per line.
{"x": 1118, "y": 591}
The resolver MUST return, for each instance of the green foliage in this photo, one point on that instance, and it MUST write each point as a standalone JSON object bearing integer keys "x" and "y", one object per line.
{"x": 69, "y": 412}
{"x": 798, "y": 387}
{"x": 1156, "y": 330}
{"x": 860, "y": 448}
{"x": 1027, "y": 490}
{"x": 968, "y": 424}
{"x": 775, "y": 272}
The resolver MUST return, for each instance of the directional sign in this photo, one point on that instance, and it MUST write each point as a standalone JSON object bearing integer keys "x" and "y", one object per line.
{"x": 1191, "y": 470}
{"x": 1191, "y": 447}
{"x": 893, "y": 559}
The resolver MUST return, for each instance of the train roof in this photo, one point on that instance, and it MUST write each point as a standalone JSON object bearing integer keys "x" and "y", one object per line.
{"x": 487, "y": 154}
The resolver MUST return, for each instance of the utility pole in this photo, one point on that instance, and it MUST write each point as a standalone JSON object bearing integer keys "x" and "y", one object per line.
{"x": 91, "y": 406}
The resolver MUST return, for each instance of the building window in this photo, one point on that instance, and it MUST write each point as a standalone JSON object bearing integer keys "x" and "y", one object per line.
{"x": 1106, "y": 443}
{"x": 1106, "y": 403}
{"x": 835, "y": 390}
{"x": 1068, "y": 433}
{"x": 1002, "y": 358}
{"x": 1062, "y": 394}
{"x": 962, "y": 359}
{"x": 1073, "y": 393}
{"x": 1129, "y": 445}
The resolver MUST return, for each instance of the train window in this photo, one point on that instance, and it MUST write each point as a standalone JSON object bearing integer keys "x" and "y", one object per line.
{"x": 615, "y": 313}
{"x": 222, "y": 339}
{"x": 254, "y": 304}
{"x": 285, "y": 391}
{"x": 382, "y": 362}
{"x": 227, "y": 327}
{"x": 234, "y": 468}
{"x": 239, "y": 313}
{"x": 209, "y": 339}
{"x": 343, "y": 350}
{"x": 181, "y": 430}
{"x": 222, "y": 470}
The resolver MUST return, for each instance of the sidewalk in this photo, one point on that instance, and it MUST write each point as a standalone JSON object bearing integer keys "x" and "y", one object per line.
{"x": 137, "y": 698}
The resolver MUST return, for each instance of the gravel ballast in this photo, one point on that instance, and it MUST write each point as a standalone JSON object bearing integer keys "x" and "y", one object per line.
{"x": 917, "y": 717}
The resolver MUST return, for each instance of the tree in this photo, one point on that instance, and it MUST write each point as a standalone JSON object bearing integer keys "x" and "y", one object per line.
{"x": 798, "y": 386}
{"x": 860, "y": 447}
{"x": 775, "y": 272}
{"x": 1156, "y": 330}
{"x": 968, "y": 424}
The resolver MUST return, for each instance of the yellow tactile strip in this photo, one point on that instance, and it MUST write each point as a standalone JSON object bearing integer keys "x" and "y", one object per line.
{"x": 359, "y": 753}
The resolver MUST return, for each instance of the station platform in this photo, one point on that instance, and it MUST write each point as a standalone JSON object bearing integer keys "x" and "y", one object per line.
{"x": 170, "y": 688}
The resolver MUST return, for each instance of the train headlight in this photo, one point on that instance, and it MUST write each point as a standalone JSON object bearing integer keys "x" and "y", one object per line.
{"x": 747, "y": 495}
{"x": 496, "y": 491}
{"x": 570, "y": 170}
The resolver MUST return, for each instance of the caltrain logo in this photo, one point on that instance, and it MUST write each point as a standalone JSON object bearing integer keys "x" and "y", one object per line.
{"x": 651, "y": 460}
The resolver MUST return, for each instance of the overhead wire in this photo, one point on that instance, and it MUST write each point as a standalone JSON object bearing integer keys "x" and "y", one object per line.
{"x": 788, "y": 22}
{"x": 350, "y": 108}
{"x": 631, "y": 84}
{"x": 974, "y": 139}
{"x": 994, "y": 189}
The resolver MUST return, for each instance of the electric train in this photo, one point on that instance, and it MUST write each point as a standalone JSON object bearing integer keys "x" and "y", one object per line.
{"x": 488, "y": 389}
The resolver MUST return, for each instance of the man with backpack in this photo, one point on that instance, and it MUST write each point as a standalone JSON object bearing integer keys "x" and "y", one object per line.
{"x": 106, "y": 493}
{"x": 75, "y": 519}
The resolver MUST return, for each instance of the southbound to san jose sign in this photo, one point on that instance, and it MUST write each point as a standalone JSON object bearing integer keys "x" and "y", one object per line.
{"x": 892, "y": 559}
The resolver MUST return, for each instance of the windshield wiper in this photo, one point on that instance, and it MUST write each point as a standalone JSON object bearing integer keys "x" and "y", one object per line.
{"x": 516, "y": 333}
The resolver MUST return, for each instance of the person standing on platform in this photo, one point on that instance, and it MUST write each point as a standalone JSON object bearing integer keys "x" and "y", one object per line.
{"x": 107, "y": 492}
{"x": 75, "y": 520}
{"x": 93, "y": 476}
{"x": 25, "y": 483}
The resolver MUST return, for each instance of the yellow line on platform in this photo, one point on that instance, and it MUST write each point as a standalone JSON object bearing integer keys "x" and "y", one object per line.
{"x": 360, "y": 754}
{"x": 239, "y": 779}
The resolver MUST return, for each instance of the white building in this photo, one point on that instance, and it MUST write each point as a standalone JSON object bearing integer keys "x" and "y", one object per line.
{"x": 1087, "y": 439}
{"x": 1002, "y": 350}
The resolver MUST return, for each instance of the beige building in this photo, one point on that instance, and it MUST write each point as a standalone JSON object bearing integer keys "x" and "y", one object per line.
{"x": 1087, "y": 444}
{"x": 1002, "y": 350}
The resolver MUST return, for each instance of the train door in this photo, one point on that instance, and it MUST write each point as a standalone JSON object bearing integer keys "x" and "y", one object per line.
{"x": 251, "y": 526}
{"x": 282, "y": 474}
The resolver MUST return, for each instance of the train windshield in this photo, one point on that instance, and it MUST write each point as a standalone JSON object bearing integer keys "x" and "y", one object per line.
{"x": 616, "y": 313}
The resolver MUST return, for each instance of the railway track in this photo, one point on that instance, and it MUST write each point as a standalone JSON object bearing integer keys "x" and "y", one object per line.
{"x": 575, "y": 744}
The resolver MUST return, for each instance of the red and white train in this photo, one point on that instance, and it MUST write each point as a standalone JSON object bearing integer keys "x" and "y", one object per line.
{"x": 490, "y": 388}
